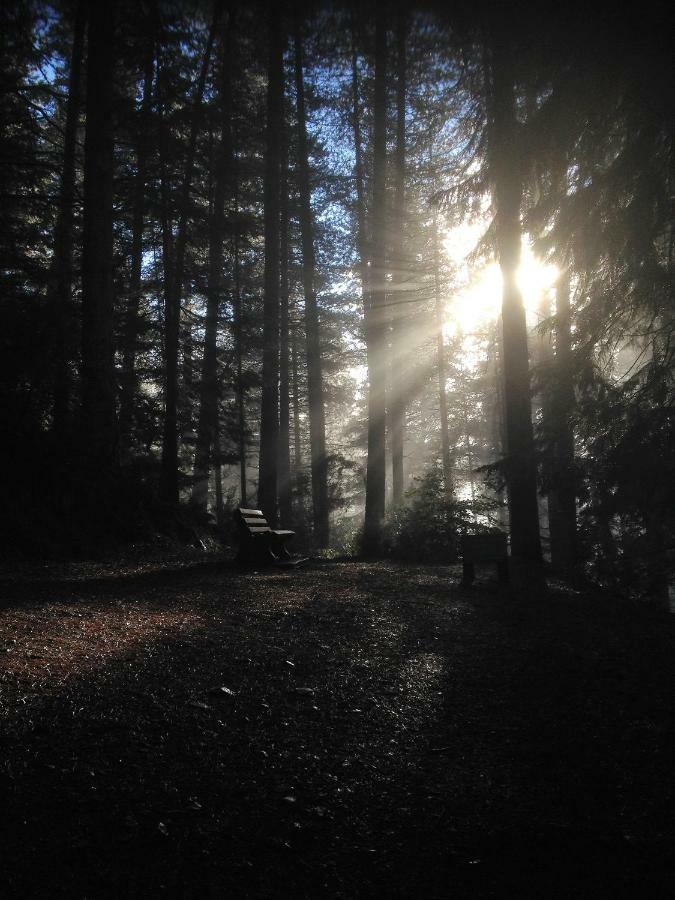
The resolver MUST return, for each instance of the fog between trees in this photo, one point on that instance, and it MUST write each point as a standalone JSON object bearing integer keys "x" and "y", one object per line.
{"x": 390, "y": 276}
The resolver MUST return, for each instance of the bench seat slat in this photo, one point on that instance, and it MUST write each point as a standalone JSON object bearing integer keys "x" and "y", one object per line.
{"x": 259, "y": 543}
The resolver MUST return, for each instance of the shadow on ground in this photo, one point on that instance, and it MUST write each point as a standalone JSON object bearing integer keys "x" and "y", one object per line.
{"x": 349, "y": 730}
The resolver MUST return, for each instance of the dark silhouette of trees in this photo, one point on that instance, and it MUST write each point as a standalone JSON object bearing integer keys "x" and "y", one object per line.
{"x": 132, "y": 322}
{"x": 284, "y": 459}
{"x": 61, "y": 281}
{"x": 317, "y": 424}
{"x": 269, "y": 411}
{"x": 99, "y": 420}
{"x": 209, "y": 388}
{"x": 504, "y": 167}
{"x": 375, "y": 317}
{"x": 175, "y": 283}
{"x": 254, "y": 270}
{"x": 400, "y": 272}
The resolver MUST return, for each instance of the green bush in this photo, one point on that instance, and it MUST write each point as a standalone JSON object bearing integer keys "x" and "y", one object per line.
{"x": 428, "y": 527}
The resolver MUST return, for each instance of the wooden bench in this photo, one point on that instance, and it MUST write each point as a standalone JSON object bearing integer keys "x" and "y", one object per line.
{"x": 259, "y": 543}
{"x": 484, "y": 548}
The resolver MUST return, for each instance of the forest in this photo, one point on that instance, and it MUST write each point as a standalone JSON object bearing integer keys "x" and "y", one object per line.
{"x": 399, "y": 276}
{"x": 390, "y": 276}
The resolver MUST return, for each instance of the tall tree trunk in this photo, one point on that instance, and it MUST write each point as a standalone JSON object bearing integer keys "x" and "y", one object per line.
{"x": 130, "y": 336}
{"x": 284, "y": 462}
{"x": 496, "y": 414}
{"x": 186, "y": 345}
{"x": 269, "y": 411}
{"x": 317, "y": 423}
{"x": 561, "y": 500}
{"x": 541, "y": 352}
{"x": 507, "y": 195}
{"x": 399, "y": 274}
{"x": 361, "y": 226}
{"x": 238, "y": 338}
{"x": 440, "y": 363}
{"x": 61, "y": 280}
{"x": 375, "y": 320}
{"x": 175, "y": 286}
{"x": 98, "y": 376}
{"x": 218, "y": 477}
{"x": 209, "y": 387}
{"x": 295, "y": 382}
{"x": 468, "y": 448}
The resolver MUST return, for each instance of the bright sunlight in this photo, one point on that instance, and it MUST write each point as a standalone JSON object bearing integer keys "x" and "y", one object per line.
{"x": 478, "y": 300}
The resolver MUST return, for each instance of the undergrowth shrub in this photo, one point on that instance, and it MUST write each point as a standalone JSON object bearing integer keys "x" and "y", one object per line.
{"x": 428, "y": 527}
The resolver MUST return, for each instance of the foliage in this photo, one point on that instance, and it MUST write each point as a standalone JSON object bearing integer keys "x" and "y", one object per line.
{"x": 428, "y": 526}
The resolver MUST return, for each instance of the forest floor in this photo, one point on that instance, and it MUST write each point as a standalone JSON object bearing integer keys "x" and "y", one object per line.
{"x": 182, "y": 728}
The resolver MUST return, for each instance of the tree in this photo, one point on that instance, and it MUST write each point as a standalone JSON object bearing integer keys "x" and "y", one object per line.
{"x": 317, "y": 425}
{"x": 400, "y": 274}
{"x": 98, "y": 380}
{"x": 175, "y": 263}
{"x": 507, "y": 197}
{"x": 284, "y": 461}
{"x": 269, "y": 411}
{"x": 207, "y": 425}
{"x": 128, "y": 375}
{"x": 562, "y": 491}
{"x": 375, "y": 324}
{"x": 61, "y": 280}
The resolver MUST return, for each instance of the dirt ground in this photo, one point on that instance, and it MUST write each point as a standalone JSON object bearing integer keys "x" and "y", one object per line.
{"x": 348, "y": 730}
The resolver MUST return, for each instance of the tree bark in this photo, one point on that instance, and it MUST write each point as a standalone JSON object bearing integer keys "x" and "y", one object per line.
{"x": 269, "y": 412}
{"x": 61, "y": 281}
{"x": 562, "y": 501}
{"x": 284, "y": 462}
{"x": 374, "y": 319}
{"x": 440, "y": 364}
{"x": 359, "y": 177}
{"x": 507, "y": 197}
{"x": 98, "y": 376}
{"x": 397, "y": 403}
{"x": 237, "y": 326}
{"x": 317, "y": 423}
{"x": 295, "y": 382}
{"x": 218, "y": 478}
{"x": 130, "y": 336}
{"x": 207, "y": 423}
{"x": 175, "y": 289}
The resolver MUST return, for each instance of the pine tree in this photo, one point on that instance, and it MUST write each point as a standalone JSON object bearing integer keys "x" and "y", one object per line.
{"x": 269, "y": 412}
{"x": 375, "y": 323}
{"x": 507, "y": 192}
{"x": 61, "y": 280}
{"x": 99, "y": 421}
{"x": 209, "y": 387}
{"x": 317, "y": 425}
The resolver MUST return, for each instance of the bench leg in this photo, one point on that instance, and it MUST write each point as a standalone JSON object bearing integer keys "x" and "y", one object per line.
{"x": 282, "y": 550}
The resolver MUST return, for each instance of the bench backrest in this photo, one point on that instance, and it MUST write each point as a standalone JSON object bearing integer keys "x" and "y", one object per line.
{"x": 251, "y": 521}
{"x": 483, "y": 547}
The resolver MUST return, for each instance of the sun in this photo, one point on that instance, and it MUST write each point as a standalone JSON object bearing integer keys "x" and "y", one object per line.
{"x": 478, "y": 301}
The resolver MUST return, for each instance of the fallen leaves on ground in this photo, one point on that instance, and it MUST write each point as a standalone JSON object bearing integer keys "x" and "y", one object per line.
{"x": 346, "y": 729}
